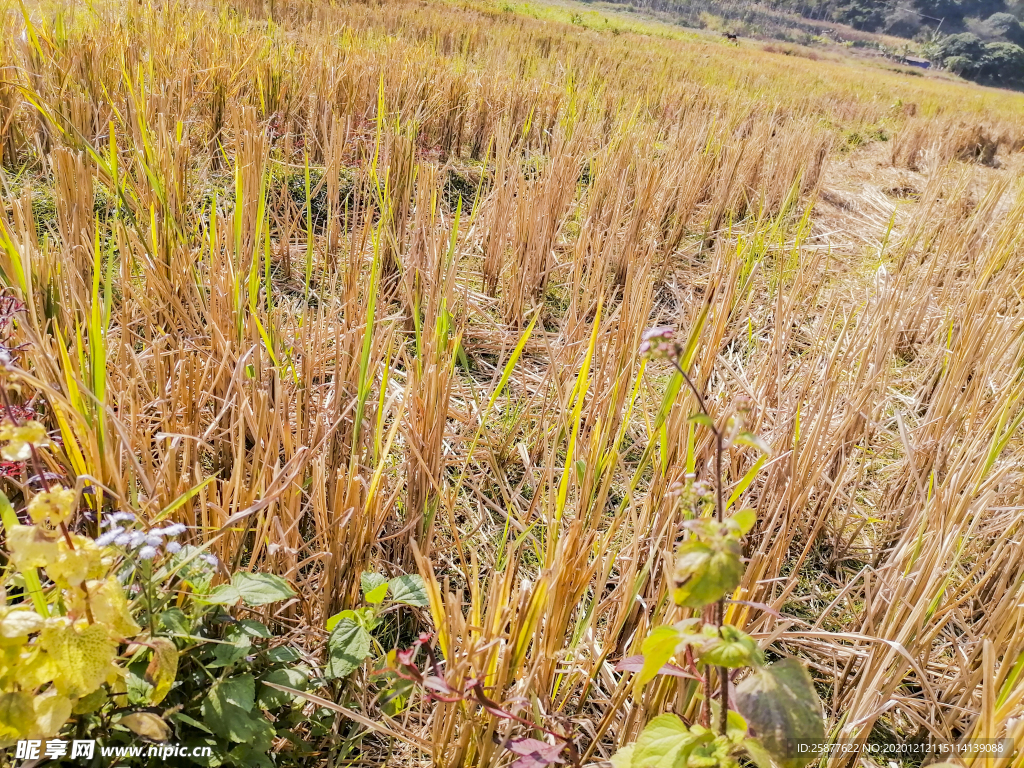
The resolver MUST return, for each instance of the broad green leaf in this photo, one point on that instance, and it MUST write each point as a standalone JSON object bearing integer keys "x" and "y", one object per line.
{"x": 271, "y": 698}
{"x": 91, "y": 703}
{"x": 781, "y": 707}
{"x": 658, "y": 647}
{"x": 261, "y": 588}
{"x": 735, "y": 726}
{"x": 230, "y": 651}
{"x": 217, "y": 756}
{"x": 253, "y": 752}
{"x": 706, "y": 573}
{"x": 376, "y": 595}
{"x": 332, "y": 622}
{"x": 370, "y": 581}
{"x": 409, "y": 589}
{"x": 252, "y": 628}
{"x": 283, "y": 654}
{"x": 347, "y": 647}
{"x": 395, "y": 698}
{"x": 139, "y": 691}
{"x": 175, "y": 621}
{"x": 624, "y": 757}
{"x": 758, "y": 753}
{"x": 712, "y": 753}
{"x": 744, "y": 520}
{"x": 665, "y": 743}
{"x": 224, "y": 594}
{"x": 228, "y": 708}
{"x": 730, "y": 647}
{"x": 240, "y": 691}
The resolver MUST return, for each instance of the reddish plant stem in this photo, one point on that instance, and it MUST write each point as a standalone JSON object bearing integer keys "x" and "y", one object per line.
{"x": 719, "y": 614}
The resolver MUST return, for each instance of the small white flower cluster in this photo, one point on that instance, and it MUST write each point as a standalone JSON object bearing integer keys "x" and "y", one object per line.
{"x": 146, "y": 544}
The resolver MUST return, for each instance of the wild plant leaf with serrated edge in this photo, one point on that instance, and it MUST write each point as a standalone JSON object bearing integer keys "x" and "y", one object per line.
{"x": 706, "y": 573}
{"x": 665, "y": 743}
{"x": 732, "y": 648}
{"x": 370, "y": 581}
{"x": 271, "y": 698}
{"x": 222, "y": 594}
{"x": 743, "y": 520}
{"x": 261, "y": 588}
{"x": 781, "y": 706}
{"x": 658, "y": 647}
{"x": 624, "y": 757}
{"x": 162, "y": 669}
{"x": 376, "y": 595}
{"x": 347, "y": 647}
{"x": 409, "y": 589}
{"x": 227, "y": 708}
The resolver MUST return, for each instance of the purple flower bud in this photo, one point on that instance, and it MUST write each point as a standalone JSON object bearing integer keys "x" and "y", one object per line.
{"x": 122, "y": 539}
{"x": 147, "y": 553}
{"x": 174, "y": 529}
{"x": 154, "y": 541}
{"x": 211, "y": 559}
{"x": 122, "y": 517}
{"x": 658, "y": 343}
{"x": 658, "y": 332}
{"x": 173, "y": 547}
{"x": 137, "y": 540}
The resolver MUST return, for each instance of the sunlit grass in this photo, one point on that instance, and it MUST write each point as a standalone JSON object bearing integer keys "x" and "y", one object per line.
{"x": 257, "y": 302}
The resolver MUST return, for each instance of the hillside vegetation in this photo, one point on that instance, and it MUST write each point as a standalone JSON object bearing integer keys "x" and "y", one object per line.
{"x": 355, "y": 294}
{"x": 981, "y": 40}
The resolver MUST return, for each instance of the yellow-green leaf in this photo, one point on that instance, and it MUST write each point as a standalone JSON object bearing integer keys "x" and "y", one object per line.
{"x": 84, "y": 654}
{"x": 90, "y": 703}
{"x": 704, "y": 573}
{"x": 732, "y": 648}
{"x": 624, "y": 757}
{"x": 31, "y": 546}
{"x": 109, "y": 606}
{"x": 19, "y": 623}
{"x": 51, "y": 712}
{"x": 73, "y": 566}
{"x": 162, "y": 669}
{"x": 17, "y": 716}
{"x": 147, "y": 725}
{"x": 658, "y": 647}
{"x": 665, "y": 743}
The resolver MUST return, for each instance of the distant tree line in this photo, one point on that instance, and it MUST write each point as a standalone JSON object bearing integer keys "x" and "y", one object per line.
{"x": 982, "y": 40}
